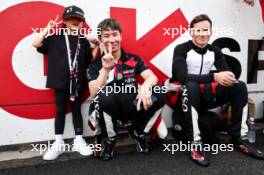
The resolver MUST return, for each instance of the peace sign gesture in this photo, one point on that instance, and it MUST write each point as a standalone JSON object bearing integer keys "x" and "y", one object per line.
{"x": 108, "y": 59}
{"x": 53, "y": 23}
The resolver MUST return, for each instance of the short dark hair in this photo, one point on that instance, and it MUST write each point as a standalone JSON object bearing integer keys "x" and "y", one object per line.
{"x": 108, "y": 23}
{"x": 199, "y": 18}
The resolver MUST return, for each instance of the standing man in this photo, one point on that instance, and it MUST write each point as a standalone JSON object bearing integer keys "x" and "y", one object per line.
{"x": 114, "y": 70}
{"x": 192, "y": 65}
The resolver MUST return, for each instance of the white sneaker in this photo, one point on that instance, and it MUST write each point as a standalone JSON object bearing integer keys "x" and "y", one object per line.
{"x": 81, "y": 146}
{"x": 54, "y": 151}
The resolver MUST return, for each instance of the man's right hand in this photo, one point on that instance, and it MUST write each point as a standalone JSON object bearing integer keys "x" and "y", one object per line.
{"x": 108, "y": 59}
{"x": 225, "y": 78}
{"x": 107, "y": 65}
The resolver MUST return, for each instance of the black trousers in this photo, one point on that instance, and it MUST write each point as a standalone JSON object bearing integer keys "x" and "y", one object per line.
{"x": 194, "y": 102}
{"x": 62, "y": 99}
{"x": 120, "y": 107}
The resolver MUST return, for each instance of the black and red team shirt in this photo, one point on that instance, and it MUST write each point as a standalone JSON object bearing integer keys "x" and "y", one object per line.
{"x": 127, "y": 69}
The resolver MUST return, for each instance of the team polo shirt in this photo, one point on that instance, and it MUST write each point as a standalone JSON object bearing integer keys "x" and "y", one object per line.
{"x": 127, "y": 69}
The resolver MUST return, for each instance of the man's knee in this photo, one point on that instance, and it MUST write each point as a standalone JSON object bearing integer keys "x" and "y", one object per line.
{"x": 240, "y": 91}
{"x": 192, "y": 89}
{"x": 161, "y": 94}
{"x": 192, "y": 86}
{"x": 105, "y": 99}
{"x": 241, "y": 86}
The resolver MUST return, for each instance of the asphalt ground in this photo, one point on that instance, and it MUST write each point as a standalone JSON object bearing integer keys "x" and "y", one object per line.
{"x": 128, "y": 161}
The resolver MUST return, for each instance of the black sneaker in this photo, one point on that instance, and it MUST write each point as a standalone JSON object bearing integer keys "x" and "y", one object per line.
{"x": 198, "y": 155}
{"x": 108, "y": 147}
{"x": 242, "y": 144}
{"x": 141, "y": 142}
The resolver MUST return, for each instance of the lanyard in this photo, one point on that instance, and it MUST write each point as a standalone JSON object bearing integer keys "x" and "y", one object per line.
{"x": 73, "y": 66}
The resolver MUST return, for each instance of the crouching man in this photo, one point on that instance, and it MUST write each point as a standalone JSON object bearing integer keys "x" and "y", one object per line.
{"x": 113, "y": 84}
{"x": 192, "y": 65}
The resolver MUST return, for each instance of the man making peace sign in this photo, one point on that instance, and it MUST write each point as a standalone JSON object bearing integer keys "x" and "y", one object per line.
{"x": 113, "y": 84}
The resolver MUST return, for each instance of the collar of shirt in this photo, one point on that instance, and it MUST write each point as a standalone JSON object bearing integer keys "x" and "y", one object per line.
{"x": 198, "y": 49}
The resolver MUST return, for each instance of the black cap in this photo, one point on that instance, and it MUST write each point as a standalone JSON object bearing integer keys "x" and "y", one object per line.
{"x": 73, "y": 11}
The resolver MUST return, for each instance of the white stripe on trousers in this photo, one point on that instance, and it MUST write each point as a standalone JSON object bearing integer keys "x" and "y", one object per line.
{"x": 196, "y": 130}
{"x": 244, "y": 127}
{"x": 109, "y": 125}
{"x": 152, "y": 120}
